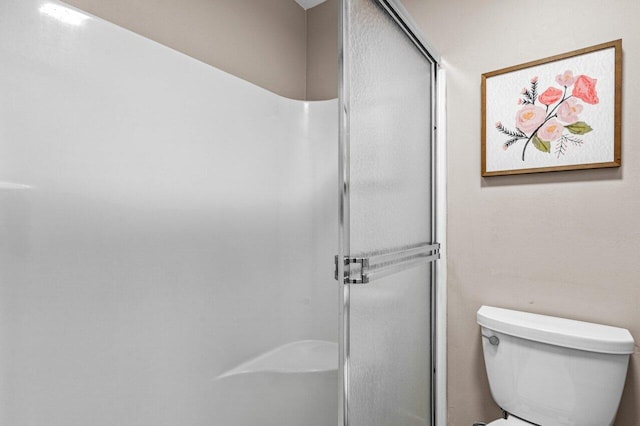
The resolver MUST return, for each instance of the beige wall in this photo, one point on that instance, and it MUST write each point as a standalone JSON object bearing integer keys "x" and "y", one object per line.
{"x": 322, "y": 51}
{"x": 275, "y": 44}
{"x": 563, "y": 244}
{"x": 262, "y": 41}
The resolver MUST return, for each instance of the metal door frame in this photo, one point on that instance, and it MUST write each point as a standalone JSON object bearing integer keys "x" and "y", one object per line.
{"x": 399, "y": 14}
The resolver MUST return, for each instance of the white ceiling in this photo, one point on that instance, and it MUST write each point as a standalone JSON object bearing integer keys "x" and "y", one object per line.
{"x": 308, "y": 4}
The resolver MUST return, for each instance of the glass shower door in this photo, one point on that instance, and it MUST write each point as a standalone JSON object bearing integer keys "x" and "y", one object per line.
{"x": 387, "y": 218}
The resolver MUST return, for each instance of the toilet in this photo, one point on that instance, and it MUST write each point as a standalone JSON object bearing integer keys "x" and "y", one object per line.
{"x": 552, "y": 371}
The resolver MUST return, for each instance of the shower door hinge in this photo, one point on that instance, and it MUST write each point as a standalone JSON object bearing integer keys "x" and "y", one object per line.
{"x": 364, "y": 268}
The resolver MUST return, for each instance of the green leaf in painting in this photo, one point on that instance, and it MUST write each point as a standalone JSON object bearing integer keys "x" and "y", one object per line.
{"x": 578, "y": 128}
{"x": 540, "y": 144}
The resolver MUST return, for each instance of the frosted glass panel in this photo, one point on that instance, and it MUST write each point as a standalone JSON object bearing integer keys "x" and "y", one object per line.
{"x": 390, "y": 112}
{"x": 388, "y": 89}
{"x": 390, "y": 362}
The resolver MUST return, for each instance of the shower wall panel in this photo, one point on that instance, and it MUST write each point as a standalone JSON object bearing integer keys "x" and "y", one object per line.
{"x": 160, "y": 223}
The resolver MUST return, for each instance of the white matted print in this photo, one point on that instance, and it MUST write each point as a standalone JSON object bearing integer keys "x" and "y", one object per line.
{"x": 558, "y": 113}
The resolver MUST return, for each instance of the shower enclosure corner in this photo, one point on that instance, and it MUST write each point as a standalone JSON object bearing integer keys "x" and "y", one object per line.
{"x": 167, "y": 231}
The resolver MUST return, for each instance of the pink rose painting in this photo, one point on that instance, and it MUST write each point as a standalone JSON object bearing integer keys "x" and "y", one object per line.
{"x": 552, "y": 118}
{"x": 553, "y": 114}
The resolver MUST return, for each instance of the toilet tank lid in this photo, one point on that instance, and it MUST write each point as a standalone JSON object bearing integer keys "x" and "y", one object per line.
{"x": 557, "y": 331}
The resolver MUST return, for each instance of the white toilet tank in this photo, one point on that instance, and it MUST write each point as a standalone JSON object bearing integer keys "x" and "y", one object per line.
{"x": 553, "y": 371}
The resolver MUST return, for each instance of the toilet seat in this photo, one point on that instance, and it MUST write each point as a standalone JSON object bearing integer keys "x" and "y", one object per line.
{"x": 510, "y": 421}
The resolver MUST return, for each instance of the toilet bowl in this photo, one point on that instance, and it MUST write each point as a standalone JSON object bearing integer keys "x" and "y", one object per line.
{"x": 545, "y": 370}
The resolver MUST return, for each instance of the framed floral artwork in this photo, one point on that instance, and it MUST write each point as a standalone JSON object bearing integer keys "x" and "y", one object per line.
{"x": 557, "y": 113}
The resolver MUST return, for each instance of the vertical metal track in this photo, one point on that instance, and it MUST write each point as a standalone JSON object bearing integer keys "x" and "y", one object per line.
{"x": 434, "y": 237}
{"x": 343, "y": 232}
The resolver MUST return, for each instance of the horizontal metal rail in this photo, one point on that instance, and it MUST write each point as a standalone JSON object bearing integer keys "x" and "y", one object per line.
{"x": 362, "y": 269}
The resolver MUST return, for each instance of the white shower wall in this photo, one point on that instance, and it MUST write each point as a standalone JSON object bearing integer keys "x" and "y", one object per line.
{"x": 161, "y": 222}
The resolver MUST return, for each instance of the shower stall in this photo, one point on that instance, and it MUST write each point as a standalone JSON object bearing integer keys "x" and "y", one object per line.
{"x": 181, "y": 247}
